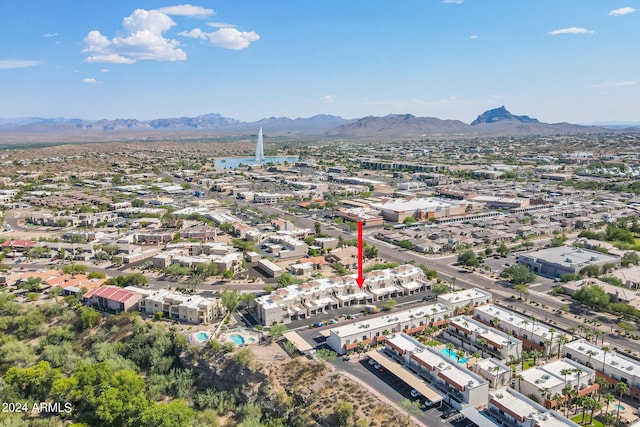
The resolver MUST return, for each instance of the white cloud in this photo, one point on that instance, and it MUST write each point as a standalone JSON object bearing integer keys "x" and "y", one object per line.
{"x": 616, "y": 84}
{"x": 104, "y": 70}
{"x": 141, "y": 39}
{"x": 7, "y": 64}
{"x": 227, "y": 38}
{"x": 330, "y": 99}
{"x": 220, "y": 25}
{"x": 622, "y": 11}
{"x": 90, "y": 80}
{"x": 187, "y": 10}
{"x": 474, "y": 37}
{"x": 49, "y": 35}
{"x": 571, "y": 30}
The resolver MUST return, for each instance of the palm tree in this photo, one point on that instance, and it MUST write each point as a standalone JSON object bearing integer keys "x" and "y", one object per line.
{"x": 552, "y": 331}
{"x": 525, "y": 323}
{"x": 602, "y": 383}
{"x": 460, "y": 355}
{"x": 609, "y": 419}
{"x": 582, "y": 401}
{"x": 573, "y": 393}
{"x": 579, "y": 372}
{"x": 590, "y": 353}
{"x": 621, "y": 388}
{"x": 594, "y": 406}
{"x": 523, "y": 357}
{"x": 566, "y": 390}
{"x": 557, "y": 398}
{"x": 565, "y": 372}
{"x": 562, "y": 340}
{"x": 496, "y": 369}
{"x": 608, "y": 399}
{"x": 535, "y": 355}
{"x": 519, "y": 378}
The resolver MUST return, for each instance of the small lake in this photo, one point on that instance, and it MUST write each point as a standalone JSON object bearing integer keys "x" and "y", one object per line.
{"x": 235, "y": 162}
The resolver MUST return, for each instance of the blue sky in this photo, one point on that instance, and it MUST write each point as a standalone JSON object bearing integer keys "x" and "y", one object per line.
{"x": 556, "y": 60}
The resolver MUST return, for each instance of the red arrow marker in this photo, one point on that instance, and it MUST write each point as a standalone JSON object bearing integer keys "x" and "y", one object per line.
{"x": 360, "y": 279}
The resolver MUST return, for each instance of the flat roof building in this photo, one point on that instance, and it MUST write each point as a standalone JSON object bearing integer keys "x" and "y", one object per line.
{"x": 465, "y": 298}
{"x": 460, "y": 387}
{"x": 473, "y": 336}
{"x": 372, "y": 330}
{"x": 533, "y": 333}
{"x": 554, "y": 262}
{"x": 546, "y": 382}
{"x": 613, "y": 365}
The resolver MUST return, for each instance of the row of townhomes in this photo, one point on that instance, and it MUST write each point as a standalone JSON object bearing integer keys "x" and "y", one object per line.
{"x": 476, "y": 337}
{"x": 613, "y": 365}
{"x": 457, "y": 384}
{"x": 532, "y": 333}
{"x": 373, "y": 329}
{"x": 172, "y": 305}
{"x": 321, "y": 295}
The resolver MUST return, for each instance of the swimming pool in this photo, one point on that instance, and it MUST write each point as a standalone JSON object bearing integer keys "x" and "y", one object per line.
{"x": 202, "y": 336}
{"x": 452, "y": 355}
{"x": 620, "y": 407}
{"x": 237, "y": 339}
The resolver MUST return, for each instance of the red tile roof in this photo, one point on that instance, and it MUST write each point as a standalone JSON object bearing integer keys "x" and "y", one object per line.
{"x": 112, "y": 293}
{"x": 19, "y": 243}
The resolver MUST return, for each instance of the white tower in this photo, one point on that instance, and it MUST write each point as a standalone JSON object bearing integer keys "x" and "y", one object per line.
{"x": 259, "y": 148}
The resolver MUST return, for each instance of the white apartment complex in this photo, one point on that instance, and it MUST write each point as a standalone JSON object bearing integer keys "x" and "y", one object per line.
{"x": 509, "y": 408}
{"x": 321, "y": 295}
{"x": 460, "y": 387}
{"x": 465, "y": 299}
{"x": 187, "y": 308}
{"x": 473, "y": 336}
{"x": 546, "y": 381}
{"x": 533, "y": 333}
{"x": 611, "y": 364}
{"x": 372, "y": 330}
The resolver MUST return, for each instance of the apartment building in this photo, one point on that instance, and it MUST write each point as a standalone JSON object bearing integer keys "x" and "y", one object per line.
{"x": 321, "y": 295}
{"x": 466, "y": 299}
{"x": 460, "y": 387}
{"x": 533, "y": 333}
{"x": 546, "y": 381}
{"x": 283, "y": 246}
{"x": 188, "y": 308}
{"x": 509, "y": 408}
{"x": 112, "y": 299}
{"x": 613, "y": 365}
{"x": 473, "y": 336}
{"x": 372, "y": 330}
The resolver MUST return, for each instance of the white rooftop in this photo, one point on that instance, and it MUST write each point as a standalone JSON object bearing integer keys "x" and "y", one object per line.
{"x": 387, "y": 320}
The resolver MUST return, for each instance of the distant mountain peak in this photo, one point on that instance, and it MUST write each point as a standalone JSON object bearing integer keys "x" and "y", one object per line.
{"x": 501, "y": 114}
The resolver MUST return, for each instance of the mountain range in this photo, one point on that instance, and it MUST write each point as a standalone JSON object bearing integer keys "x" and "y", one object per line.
{"x": 495, "y": 122}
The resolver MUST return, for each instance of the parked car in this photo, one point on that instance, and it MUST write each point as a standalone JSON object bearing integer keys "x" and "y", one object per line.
{"x": 377, "y": 366}
{"x": 415, "y": 393}
{"x": 372, "y": 362}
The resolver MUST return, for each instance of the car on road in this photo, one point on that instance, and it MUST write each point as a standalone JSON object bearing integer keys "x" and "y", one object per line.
{"x": 414, "y": 393}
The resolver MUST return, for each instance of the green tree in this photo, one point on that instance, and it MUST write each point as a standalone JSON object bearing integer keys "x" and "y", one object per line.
{"x": 522, "y": 290}
{"x": 277, "y": 330}
{"x": 519, "y": 274}
{"x": 468, "y": 258}
{"x": 503, "y": 249}
{"x": 592, "y": 295}
{"x": 75, "y": 269}
{"x": 123, "y": 401}
{"x": 590, "y": 271}
{"x": 411, "y": 408}
{"x": 630, "y": 258}
{"x": 230, "y": 300}
{"x": 89, "y": 318}
{"x": 176, "y": 413}
{"x": 243, "y": 358}
{"x": 344, "y": 413}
